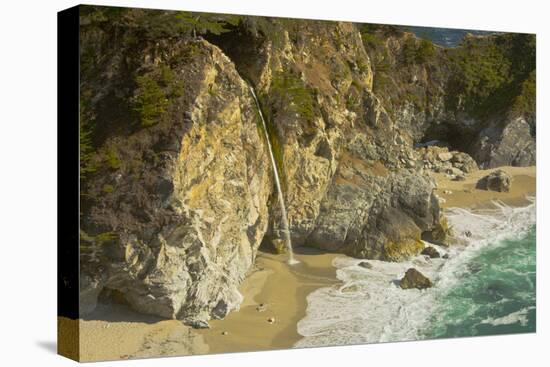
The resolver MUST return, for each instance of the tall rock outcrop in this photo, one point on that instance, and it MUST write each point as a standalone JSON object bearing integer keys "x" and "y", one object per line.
{"x": 174, "y": 213}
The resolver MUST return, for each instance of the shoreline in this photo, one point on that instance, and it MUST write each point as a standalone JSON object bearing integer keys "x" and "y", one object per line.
{"x": 116, "y": 332}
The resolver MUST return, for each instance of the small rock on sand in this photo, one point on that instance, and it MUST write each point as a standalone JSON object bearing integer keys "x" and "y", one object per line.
{"x": 498, "y": 180}
{"x": 445, "y": 156}
{"x": 271, "y": 320}
{"x": 198, "y": 324}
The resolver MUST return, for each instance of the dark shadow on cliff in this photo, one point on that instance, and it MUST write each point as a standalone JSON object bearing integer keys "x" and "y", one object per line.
{"x": 268, "y": 248}
{"x": 115, "y": 312}
{"x": 242, "y": 44}
{"x": 305, "y": 250}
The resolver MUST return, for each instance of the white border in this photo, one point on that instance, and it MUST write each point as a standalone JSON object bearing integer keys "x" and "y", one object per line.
{"x": 28, "y": 181}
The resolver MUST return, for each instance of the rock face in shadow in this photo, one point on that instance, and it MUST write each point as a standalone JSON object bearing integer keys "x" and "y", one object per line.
{"x": 415, "y": 279}
{"x": 498, "y": 180}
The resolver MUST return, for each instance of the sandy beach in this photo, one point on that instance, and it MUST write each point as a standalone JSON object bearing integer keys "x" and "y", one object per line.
{"x": 464, "y": 194}
{"x": 272, "y": 291}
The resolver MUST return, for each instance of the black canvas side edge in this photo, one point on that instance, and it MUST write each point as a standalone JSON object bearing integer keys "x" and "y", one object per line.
{"x": 68, "y": 163}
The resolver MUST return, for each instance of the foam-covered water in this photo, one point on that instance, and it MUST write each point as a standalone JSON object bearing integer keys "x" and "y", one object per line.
{"x": 487, "y": 286}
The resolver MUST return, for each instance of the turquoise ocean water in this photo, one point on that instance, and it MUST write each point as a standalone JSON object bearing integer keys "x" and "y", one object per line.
{"x": 487, "y": 286}
{"x": 497, "y": 295}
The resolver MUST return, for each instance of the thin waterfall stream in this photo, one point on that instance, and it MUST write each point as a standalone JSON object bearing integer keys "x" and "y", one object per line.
{"x": 285, "y": 230}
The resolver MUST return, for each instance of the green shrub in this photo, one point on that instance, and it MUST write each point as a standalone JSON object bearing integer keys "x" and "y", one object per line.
{"x": 371, "y": 39}
{"x": 417, "y": 53}
{"x": 105, "y": 237}
{"x": 87, "y": 125}
{"x": 291, "y": 88}
{"x": 526, "y": 101}
{"x": 408, "y": 52}
{"x": 113, "y": 160}
{"x": 155, "y": 93}
{"x": 424, "y": 52}
{"x": 482, "y": 79}
{"x": 151, "y": 101}
{"x": 108, "y": 189}
{"x": 149, "y": 24}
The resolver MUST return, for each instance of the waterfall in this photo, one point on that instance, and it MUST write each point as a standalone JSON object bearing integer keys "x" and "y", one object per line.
{"x": 286, "y": 232}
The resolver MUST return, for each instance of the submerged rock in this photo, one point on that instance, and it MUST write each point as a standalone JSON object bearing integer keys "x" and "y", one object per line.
{"x": 415, "y": 279}
{"x": 498, "y": 180}
{"x": 431, "y": 252}
{"x": 365, "y": 264}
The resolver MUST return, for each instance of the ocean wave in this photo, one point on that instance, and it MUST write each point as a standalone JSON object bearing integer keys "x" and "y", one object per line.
{"x": 369, "y": 306}
{"x": 512, "y": 318}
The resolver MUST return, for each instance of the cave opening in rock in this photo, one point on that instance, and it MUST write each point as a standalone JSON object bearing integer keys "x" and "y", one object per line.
{"x": 447, "y": 135}
{"x": 242, "y": 46}
{"x": 112, "y": 296}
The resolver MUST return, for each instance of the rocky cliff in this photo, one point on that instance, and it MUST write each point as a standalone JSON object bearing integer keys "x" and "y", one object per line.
{"x": 173, "y": 214}
{"x": 176, "y": 184}
{"x": 478, "y": 98}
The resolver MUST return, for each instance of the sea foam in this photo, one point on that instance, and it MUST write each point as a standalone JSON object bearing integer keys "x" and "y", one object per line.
{"x": 369, "y": 306}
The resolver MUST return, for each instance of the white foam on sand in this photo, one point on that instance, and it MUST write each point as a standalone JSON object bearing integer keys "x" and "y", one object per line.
{"x": 369, "y": 306}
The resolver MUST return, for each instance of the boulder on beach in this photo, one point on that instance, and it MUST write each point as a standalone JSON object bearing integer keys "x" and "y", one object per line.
{"x": 498, "y": 180}
{"x": 431, "y": 252}
{"x": 415, "y": 279}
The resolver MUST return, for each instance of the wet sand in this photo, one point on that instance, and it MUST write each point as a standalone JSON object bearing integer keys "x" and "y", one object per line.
{"x": 282, "y": 289}
{"x": 114, "y": 331}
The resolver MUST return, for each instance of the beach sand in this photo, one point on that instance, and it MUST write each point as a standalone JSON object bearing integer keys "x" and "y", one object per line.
{"x": 463, "y": 194}
{"x": 114, "y": 331}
